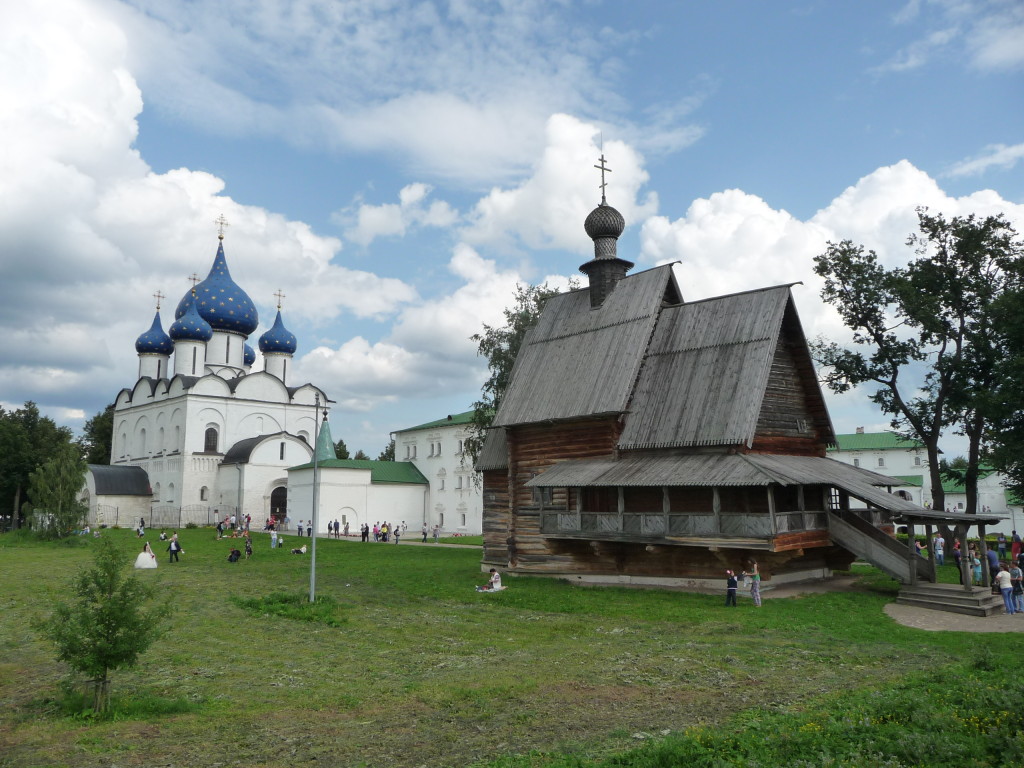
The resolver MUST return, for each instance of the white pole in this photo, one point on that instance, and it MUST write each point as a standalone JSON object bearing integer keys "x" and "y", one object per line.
{"x": 316, "y": 504}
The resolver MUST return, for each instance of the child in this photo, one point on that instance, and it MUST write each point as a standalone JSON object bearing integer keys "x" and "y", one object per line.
{"x": 730, "y": 588}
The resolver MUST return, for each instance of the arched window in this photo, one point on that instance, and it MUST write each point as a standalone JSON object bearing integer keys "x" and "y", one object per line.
{"x": 210, "y": 443}
{"x": 204, "y": 494}
{"x": 142, "y": 442}
{"x": 156, "y": 492}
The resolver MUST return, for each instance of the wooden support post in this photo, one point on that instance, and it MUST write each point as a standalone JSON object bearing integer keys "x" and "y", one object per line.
{"x": 911, "y": 552}
{"x": 771, "y": 508}
{"x": 965, "y": 560}
{"x": 986, "y": 577}
{"x": 716, "y": 508}
{"x": 931, "y": 551}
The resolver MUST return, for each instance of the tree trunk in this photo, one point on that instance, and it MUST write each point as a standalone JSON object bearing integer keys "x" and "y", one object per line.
{"x": 935, "y": 477}
{"x": 17, "y": 508}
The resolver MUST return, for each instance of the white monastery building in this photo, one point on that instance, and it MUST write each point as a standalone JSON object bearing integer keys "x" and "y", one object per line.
{"x": 211, "y": 436}
{"x": 454, "y": 500}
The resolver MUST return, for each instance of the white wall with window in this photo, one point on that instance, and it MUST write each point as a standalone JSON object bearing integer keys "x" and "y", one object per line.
{"x": 437, "y": 449}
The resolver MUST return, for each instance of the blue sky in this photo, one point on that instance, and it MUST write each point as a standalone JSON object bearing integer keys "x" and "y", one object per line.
{"x": 395, "y": 168}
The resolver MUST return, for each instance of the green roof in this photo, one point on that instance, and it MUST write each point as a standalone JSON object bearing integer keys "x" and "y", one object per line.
{"x": 451, "y": 420}
{"x": 874, "y": 441}
{"x": 380, "y": 471}
{"x": 915, "y": 480}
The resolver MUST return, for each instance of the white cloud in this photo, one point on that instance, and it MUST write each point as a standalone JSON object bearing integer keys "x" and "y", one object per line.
{"x": 428, "y": 353}
{"x": 88, "y": 233}
{"x": 996, "y": 41}
{"x": 998, "y": 156}
{"x": 391, "y": 220}
{"x": 547, "y": 210}
{"x": 734, "y": 241}
{"x": 987, "y": 33}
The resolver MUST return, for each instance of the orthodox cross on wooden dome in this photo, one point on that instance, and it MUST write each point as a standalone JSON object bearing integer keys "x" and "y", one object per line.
{"x": 278, "y": 295}
{"x": 159, "y": 297}
{"x": 603, "y": 168}
{"x": 221, "y": 222}
{"x": 193, "y": 278}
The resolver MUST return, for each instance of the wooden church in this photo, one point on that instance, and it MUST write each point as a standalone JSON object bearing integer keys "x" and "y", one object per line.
{"x": 644, "y": 439}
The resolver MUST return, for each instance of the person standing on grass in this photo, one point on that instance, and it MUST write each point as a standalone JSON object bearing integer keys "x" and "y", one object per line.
{"x": 273, "y": 538}
{"x": 248, "y": 545}
{"x": 1001, "y": 543}
{"x": 174, "y": 548}
{"x": 437, "y": 533}
{"x": 755, "y": 583}
{"x": 731, "y": 585}
{"x": 993, "y": 564}
{"x": 398, "y": 533}
{"x": 939, "y": 547}
{"x": 1015, "y": 544}
{"x": 1017, "y": 587}
{"x": 1002, "y": 582}
{"x": 424, "y": 532}
{"x": 309, "y": 529}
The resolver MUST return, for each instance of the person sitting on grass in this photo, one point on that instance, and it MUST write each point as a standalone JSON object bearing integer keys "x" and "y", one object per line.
{"x": 234, "y": 556}
{"x": 493, "y": 584}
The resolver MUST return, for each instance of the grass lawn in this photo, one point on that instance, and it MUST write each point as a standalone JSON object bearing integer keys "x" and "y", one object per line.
{"x": 406, "y": 665}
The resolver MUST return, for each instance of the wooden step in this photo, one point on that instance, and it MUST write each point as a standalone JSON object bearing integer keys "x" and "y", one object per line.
{"x": 952, "y": 598}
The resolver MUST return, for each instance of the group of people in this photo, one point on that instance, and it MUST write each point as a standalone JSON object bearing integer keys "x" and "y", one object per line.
{"x": 751, "y": 578}
{"x": 147, "y": 558}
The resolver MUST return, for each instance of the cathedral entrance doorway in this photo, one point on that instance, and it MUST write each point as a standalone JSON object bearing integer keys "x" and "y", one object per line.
{"x": 279, "y": 503}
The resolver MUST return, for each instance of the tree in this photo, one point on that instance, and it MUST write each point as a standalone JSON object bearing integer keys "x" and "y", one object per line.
{"x": 361, "y": 455}
{"x": 107, "y": 625}
{"x": 97, "y": 437}
{"x": 1006, "y": 403}
{"x": 929, "y": 330}
{"x": 341, "y": 450}
{"x": 388, "y": 454}
{"x": 27, "y": 440}
{"x": 53, "y": 493}
{"x": 501, "y": 346}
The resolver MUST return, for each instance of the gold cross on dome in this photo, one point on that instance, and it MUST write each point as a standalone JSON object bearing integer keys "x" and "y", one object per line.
{"x": 603, "y": 168}
{"x": 159, "y": 297}
{"x": 221, "y": 222}
{"x": 278, "y": 295}
{"x": 193, "y": 278}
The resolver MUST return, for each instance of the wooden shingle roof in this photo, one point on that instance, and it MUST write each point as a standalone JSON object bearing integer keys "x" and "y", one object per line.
{"x": 578, "y": 361}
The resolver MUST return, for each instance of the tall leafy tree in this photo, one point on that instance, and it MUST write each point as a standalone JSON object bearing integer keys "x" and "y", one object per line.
{"x": 341, "y": 450}
{"x": 1006, "y": 402}
{"x": 27, "y": 440}
{"x": 53, "y": 493}
{"x": 97, "y": 436}
{"x": 361, "y": 455}
{"x": 107, "y": 624}
{"x": 388, "y": 454}
{"x": 926, "y": 333}
{"x": 500, "y": 345}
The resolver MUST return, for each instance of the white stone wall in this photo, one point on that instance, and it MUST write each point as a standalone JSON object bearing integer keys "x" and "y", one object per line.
{"x": 455, "y": 501}
{"x": 348, "y": 495}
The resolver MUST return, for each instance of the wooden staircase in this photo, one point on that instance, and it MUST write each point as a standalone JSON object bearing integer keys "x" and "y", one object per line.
{"x": 978, "y": 601}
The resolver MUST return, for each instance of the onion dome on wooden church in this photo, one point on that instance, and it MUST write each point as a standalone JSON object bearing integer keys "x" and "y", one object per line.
{"x": 278, "y": 339}
{"x": 248, "y": 355}
{"x": 221, "y": 302}
{"x": 154, "y": 341}
{"x": 604, "y": 225}
{"x": 190, "y": 326}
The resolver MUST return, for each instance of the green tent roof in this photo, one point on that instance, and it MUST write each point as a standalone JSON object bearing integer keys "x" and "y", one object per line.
{"x": 380, "y": 471}
{"x": 874, "y": 441}
{"x": 452, "y": 419}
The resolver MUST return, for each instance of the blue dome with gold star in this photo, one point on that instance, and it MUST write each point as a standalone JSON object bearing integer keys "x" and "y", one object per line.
{"x": 278, "y": 339}
{"x": 248, "y": 355}
{"x": 220, "y": 301}
{"x": 154, "y": 341}
{"x": 190, "y": 326}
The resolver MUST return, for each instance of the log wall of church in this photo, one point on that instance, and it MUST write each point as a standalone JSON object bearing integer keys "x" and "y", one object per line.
{"x": 787, "y": 423}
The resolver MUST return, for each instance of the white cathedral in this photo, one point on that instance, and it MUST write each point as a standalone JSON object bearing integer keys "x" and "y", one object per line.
{"x": 201, "y": 435}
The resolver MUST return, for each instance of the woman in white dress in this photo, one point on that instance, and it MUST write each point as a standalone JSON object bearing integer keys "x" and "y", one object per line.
{"x": 146, "y": 558}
